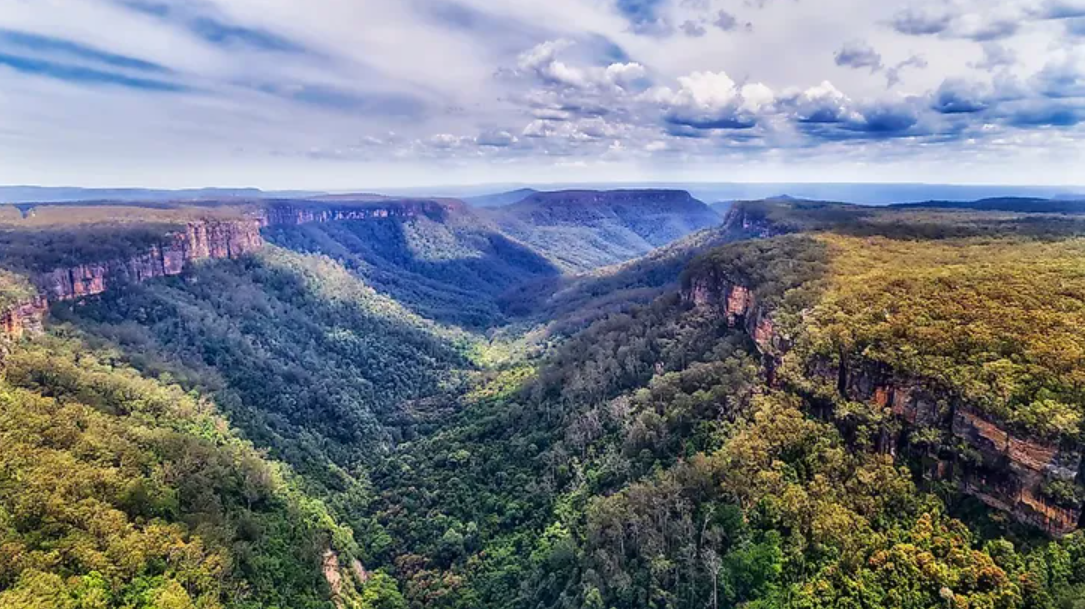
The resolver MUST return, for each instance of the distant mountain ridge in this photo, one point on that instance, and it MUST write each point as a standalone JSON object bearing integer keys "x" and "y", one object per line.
{"x": 1016, "y": 204}
{"x": 501, "y": 198}
{"x": 584, "y": 229}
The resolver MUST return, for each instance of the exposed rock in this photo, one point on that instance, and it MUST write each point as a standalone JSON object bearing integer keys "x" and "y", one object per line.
{"x": 293, "y": 213}
{"x": 1014, "y": 468}
{"x": 739, "y": 218}
{"x": 209, "y": 239}
{"x": 359, "y": 571}
{"x": 330, "y": 568}
{"x": 198, "y": 241}
{"x": 24, "y": 318}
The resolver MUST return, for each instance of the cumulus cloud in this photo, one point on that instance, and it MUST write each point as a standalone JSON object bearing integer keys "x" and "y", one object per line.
{"x": 1061, "y": 79}
{"x": 693, "y": 29}
{"x": 916, "y": 21}
{"x": 893, "y": 74}
{"x": 524, "y": 80}
{"x": 712, "y": 100}
{"x": 826, "y": 113}
{"x": 542, "y": 62}
{"x": 996, "y": 56}
{"x": 496, "y": 139}
{"x": 958, "y": 96}
{"x": 859, "y": 54}
{"x": 725, "y": 21}
{"x": 822, "y": 104}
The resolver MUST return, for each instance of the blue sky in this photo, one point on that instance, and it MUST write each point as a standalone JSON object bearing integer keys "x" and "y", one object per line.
{"x": 343, "y": 94}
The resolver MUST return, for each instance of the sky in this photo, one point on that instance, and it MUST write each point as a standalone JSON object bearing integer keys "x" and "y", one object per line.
{"x": 355, "y": 94}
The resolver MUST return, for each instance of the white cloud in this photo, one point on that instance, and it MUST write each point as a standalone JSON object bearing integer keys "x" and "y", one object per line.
{"x": 523, "y": 79}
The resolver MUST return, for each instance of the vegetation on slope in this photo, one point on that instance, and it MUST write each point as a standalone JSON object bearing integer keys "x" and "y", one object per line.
{"x": 641, "y": 461}
{"x": 14, "y": 289}
{"x": 120, "y": 491}
{"x": 996, "y": 322}
{"x": 791, "y": 216}
{"x": 304, "y": 358}
{"x": 451, "y": 271}
{"x": 639, "y": 468}
{"x": 583, "y": 230}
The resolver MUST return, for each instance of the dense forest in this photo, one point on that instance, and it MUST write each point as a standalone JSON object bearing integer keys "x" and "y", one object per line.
{"x": 424, "y": 412}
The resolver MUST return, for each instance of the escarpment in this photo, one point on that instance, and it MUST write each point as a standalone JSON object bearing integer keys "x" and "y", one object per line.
{"x": 1036, "y": 480}
{"x": 189, "y": 243}
{"x": 197, "y": 241}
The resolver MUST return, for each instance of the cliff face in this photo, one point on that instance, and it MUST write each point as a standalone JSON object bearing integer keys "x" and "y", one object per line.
{"x": 1004, "y": 469}
{"x": 201, "y": 240}
{"x": 288, "y": 213}
{"x": 740, "y": 218}
{"x": 24, "y": 318}
{"x": 198, "y": 241}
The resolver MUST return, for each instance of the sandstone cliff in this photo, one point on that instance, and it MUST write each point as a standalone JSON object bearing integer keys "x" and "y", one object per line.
{"x": 197, "y": 241}
{"x": 194, "y": 241}
{"x": 1004, "y": 469}
{"x": 24, "y": 318}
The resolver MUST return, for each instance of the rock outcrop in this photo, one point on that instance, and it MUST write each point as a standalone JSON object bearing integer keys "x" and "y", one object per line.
{"x": 291, "y": 213}
{"x": 24, "y": 318}
{"x": 198, "y": 241}
{"x": 1003, "y": 468}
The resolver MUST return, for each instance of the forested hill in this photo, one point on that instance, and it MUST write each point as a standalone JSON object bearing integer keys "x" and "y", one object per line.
{"x": 582, "y": 230}
{"x": 1017, "y": 204}
{"x": 373, "y": 403}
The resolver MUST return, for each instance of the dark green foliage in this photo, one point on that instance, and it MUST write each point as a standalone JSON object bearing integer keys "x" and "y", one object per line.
{"x": 773, "y": 268}
{"x": 1035, "y": 206}
{"x": 304, "y": 358}
{"x": 451, "y": 272}
{"x": 904, "y": 222}
{"x": 45, "y": 249}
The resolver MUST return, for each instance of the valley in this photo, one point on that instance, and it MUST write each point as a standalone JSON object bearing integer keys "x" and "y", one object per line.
{"x": 571, "y": 399}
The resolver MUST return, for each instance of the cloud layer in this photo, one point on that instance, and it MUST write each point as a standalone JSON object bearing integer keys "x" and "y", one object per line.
{"x": 322, "y": 93}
